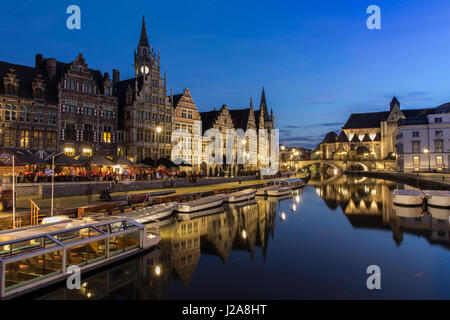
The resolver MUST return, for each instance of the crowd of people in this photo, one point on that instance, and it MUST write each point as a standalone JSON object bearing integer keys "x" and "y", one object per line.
{"x": 75, "y": 174}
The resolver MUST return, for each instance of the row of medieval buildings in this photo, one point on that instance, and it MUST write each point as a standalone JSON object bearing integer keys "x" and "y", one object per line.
{"x": 56, "y": 107}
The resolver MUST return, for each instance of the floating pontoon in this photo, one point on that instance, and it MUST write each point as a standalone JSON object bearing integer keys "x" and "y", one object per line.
{"x": 35, "y": 257}
{"x": 242, "y": 195}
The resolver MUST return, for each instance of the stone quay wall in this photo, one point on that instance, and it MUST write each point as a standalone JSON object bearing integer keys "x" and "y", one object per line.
{"x": 415, "y": 181}
{"x": 65, "y": 189}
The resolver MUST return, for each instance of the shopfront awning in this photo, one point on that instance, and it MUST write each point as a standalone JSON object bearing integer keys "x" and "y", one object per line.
{"x": 122, "y": 161}
{"x": 98, "y": 160}
{"x": 64, "y": 160}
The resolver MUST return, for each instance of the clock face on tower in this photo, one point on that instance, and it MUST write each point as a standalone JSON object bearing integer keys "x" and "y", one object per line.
{"x": 145, "y": 70}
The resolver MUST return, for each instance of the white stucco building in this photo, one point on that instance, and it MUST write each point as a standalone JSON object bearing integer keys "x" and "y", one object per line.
{"x": 423, "y": 141}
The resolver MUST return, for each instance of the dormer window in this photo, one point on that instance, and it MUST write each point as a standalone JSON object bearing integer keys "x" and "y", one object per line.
{"x": 39, "y": 93}
{"x": 11, "y": 89}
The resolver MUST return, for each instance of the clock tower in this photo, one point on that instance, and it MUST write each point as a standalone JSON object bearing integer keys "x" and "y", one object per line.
{"x": 143, "y": 57}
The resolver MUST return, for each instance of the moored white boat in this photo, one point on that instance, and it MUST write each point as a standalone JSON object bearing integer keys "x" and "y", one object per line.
{"x": 438, "y": 198}
{"x": 201, "y": 204}
{"x": 242, "y": 195}
{"x": 279, "y": 191}
{"x": 407, "y": 197}
{"x": 439, "y": 213}
{"x": 263, "y": 191}
{"x": 408, "y": 212}
{"x": 152, "y": 213}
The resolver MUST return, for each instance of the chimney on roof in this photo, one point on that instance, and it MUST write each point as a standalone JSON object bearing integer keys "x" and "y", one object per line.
{"x": 39, "y": 60}
{"x": 116, "y": 76}
{"x": 50, "y": 65}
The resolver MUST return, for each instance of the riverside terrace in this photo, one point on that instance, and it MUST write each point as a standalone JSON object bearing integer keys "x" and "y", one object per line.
{"x": 37, "y": 256}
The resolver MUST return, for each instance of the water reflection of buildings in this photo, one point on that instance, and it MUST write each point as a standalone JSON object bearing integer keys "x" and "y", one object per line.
{"x": 367, "y": 203}
{"x": 147, "y": 277}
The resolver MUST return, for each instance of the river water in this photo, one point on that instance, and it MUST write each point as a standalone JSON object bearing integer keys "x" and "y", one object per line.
{"x": 316, "y": 244}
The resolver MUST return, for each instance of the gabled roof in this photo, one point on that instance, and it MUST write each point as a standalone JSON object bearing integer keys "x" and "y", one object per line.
{"x": 374, "y": 119}
{"x": 331, "y": 137}
{"x": 240, "y": 118}
{"x": 377, "y": 137}
{"x": 366, "y": 138}
{"x": 176, "y": 99}
{"x": 355, "y": 138}
{"x": 208, "y": 119}
{"x": 26, "y": 76}
{"x": 342, "y": 137}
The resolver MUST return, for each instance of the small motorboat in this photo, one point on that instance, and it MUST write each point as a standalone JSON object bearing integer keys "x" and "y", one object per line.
{"x": 295, "y": 183}
{"x": 438, "y": 198}
{"x": 439, "y": 213}
{"x": 152, "y": 213}
{"x": 263, "y": 191}
{"x": 408, "y": 197}
{"x": 239, "y": 196}
{"x": 192, "y": 215}
{"x": 201, "y": 204}
{"x": 279, "y": 191}
{"x": 408, "y": 211}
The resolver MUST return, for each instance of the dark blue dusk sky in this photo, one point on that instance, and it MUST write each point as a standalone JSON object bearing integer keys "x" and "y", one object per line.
{"x": 316, "y": 59}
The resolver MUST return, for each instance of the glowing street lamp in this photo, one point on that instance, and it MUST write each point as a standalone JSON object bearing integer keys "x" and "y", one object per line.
{"x": 426, "y": 151}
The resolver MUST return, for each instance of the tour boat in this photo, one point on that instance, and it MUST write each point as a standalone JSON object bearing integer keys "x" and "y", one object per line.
{"x": 263, "y": 191}
{"x": 242, "y": 195}
{"x": 439, "y": 213}
{"x": 196, "y": 214}
{"x": 295, "y": 183}
{"x": 38, "y": 256}
{"x": 438, "y": 198}
{"x": 408, "y": 211}
{"x": 408, "y": 197}
{"x": 152, "y": 213}
{"x": 201, "y": 204}
{"x": 279, "y": 191}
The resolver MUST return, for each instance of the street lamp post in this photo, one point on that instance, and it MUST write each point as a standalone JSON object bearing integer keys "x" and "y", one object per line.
{"x": 426, "y": 151}
{"x": 158, "y": 131}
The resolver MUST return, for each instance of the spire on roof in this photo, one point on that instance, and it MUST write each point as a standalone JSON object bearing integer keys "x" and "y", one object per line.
{"x": 393, "y": 103}
{"x": 143, "y": 41}
{"x": 251, "y": 102}
{"x": 263, "y": 104}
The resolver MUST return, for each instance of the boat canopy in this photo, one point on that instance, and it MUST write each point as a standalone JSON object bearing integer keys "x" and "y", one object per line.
{"x": 44, "y": 252}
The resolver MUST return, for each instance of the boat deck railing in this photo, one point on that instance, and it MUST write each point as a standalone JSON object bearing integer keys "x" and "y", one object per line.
{"x": 32, "y": 256}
